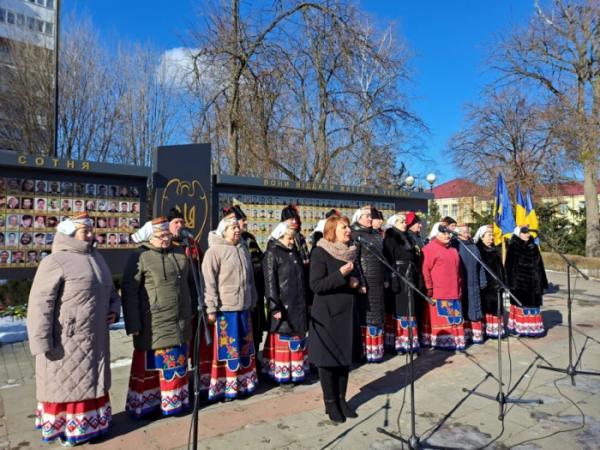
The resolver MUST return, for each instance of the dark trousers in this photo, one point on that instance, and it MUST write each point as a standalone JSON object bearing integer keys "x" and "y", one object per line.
{"x": 334, "y": 382}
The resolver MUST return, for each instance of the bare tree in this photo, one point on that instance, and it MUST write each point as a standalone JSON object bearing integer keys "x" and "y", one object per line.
{"x": 27, "y": 98}
{"x": 559, "y": 53}
{"x": 511, "y": 134}
{"x": 306, "y": 93}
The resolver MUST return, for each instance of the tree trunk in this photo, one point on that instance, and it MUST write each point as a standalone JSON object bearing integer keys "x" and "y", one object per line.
{"x": 590, "y": 191}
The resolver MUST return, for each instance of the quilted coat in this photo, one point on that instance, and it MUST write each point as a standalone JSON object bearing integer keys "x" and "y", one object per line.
{"x": 370, "y": 306}
{"x": 71, "y": 296}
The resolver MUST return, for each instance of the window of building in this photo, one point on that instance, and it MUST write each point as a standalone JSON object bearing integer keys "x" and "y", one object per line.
{"x": 581, "y": 205}
{"x": 31, "y": 23}
{"x": 40, "y": 25}
{"x": 10, "y": 17}
{"x": 41, "y": 2}
{"x": 50, "y": 4}
{"x": 20, "y": 20}
{"x": 454, "y": 211}
{"x": 2, "y": 15}
{"x": 563, "y": 208}
{"x": 445, "y": 210}
{"x": 49, "y": 28}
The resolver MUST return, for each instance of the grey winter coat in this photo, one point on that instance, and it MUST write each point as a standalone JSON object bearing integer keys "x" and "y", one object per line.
{"x": 228, "y": 276}
{"x": 156, "y": 297}
{"x": 70, "y": 299}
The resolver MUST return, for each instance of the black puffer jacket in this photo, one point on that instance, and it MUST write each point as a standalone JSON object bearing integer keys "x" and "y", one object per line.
{"x": 525, "y": 271}
{"x": 285, "y": 289}
{"x": 370, "y": 306}
{"x": 403, "y": 256}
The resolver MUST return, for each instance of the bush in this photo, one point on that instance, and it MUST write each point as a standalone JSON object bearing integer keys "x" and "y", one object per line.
{"x": 14, "y": 293}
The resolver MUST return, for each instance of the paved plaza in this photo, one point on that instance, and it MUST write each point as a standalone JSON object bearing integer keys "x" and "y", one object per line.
{"x": 447, "y": 417}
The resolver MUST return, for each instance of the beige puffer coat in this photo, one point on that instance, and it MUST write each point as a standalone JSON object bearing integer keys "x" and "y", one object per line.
{"x": 228, "y": 276}
{"x": 69, "y": 301}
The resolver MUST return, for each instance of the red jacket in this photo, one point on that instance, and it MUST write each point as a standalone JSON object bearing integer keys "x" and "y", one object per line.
{"x": 441, "y": 270}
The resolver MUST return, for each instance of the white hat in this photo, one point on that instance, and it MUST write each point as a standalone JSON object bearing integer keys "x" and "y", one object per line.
{"x": 481, "y": 232}
{"x": 279, "y": 230}
{"x": 434, "y": 230}
{"x": 359, "y": 213}
{"x": 150, "y": 228}
{"x": 224, "y": 223}
{"x": 70, "y": 225}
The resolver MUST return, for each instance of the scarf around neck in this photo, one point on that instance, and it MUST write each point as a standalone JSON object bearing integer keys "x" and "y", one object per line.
{"x": 338, "y": 250}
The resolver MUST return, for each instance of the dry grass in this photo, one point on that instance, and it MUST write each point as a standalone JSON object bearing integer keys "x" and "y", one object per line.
{"x": 553, "y": 261}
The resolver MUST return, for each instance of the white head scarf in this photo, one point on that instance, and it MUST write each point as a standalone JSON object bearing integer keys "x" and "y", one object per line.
{"x": 279, "y": 230}
{"x": 70, "y": 225}
{"x": 360, "y": 212}
{"x": 481, "y": 232}
{"x": 434, "y": 230}
{"x": 224, "y": 223}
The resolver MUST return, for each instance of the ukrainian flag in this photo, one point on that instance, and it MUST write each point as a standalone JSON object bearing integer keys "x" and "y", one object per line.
{"x": 532, "y": 220}
{"x": 504, "y": 221}
{"x": 520, "y": 209}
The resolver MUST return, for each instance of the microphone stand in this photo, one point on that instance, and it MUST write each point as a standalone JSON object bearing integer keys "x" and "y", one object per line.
{"x": 500, "y": 397}
{"x": 201, "y": 324}
{"x": 571, "y": 369}
{"x": 413, "y": 441}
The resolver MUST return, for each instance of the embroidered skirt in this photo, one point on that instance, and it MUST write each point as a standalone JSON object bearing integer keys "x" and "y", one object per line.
{"x": 372, "y": 343}
{"x": 443, "y": 325}
{"x": 525, "y": 321}
{"x": 473, "y": 331}
{"x": 402, "y": 338}
{"x": 285, "y": 358}
{"x": 493, "y": 327}
{"x": 74, "y": 422}
{"x": 158, "y": 381}
{"x": 233, "y": 370}
{"x": 205, "y": 354}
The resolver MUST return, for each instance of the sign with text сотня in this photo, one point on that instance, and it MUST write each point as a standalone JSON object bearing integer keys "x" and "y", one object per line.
{"x": 37, "y": 192}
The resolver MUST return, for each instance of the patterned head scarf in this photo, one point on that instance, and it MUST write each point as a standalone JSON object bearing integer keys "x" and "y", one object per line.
{"x": 227, "y": 221}
{"x": 361, "y": 212}
{"x": 280, "y": 230}
{"x": 69, "y": 226}
{"x": 151, "y": 228}
{"x": 481, "y": 232}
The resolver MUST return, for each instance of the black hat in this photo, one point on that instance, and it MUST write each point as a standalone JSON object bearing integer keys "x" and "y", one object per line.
{"x": 289, "y": 212}
{"x": 239, "y": 214}
{"x": 332, "y": 212}
{"x": 376, "y": 214}
{"x": 174, "y": 213}
{"x": 448, "y": 220}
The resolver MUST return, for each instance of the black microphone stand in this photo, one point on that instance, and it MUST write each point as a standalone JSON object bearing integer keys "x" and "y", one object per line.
{"x": 413, "y": 441}
{"x": 500, "y": 397}
{"x": 571, "y": 369}
{"x": 201, "y": 324}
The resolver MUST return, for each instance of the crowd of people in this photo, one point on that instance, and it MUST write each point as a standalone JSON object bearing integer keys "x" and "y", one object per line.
{"x": 360, "y": 289}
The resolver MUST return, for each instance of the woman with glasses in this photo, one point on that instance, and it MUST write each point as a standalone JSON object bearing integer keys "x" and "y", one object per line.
{"x": 442, "y": 326}
{"x": 157, "y": 307}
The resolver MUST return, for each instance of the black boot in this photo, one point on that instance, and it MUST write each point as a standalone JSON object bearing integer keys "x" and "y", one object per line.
{"x": 344, "y": 407}
{"x": 332, "y": 408}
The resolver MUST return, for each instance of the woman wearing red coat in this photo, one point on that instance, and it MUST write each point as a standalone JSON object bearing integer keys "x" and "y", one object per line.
{"x": 443, "y": 322}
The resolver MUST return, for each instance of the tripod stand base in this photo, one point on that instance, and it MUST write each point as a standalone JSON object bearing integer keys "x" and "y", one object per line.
{"x": 503, "y": 400}
{"x": 412, "y": 442}
{"x": 570, "y": 371}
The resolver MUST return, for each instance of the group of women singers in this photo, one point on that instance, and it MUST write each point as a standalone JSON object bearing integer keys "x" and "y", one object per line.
{"x": 340, "y": 295}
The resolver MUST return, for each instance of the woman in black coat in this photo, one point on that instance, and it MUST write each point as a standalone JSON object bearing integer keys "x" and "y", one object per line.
{"x": 491, "y": 255}
{"x": 284, "y": 354}
{"x": 371, "y": 303}
{"x": 334, "y": 281}
{"x": 527, "y": 281}
{"x": 402, "y": 255}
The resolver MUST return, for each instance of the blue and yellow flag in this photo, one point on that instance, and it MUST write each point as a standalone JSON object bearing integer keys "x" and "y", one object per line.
{"x": 531, "y": 216}
{"x": 520, "y": 209}
{"x": 504, "y": 221}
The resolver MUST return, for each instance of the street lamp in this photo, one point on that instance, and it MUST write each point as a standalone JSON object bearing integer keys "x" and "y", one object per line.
{"x": 431, "y": 179}
{"x": 409, "y": 181}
